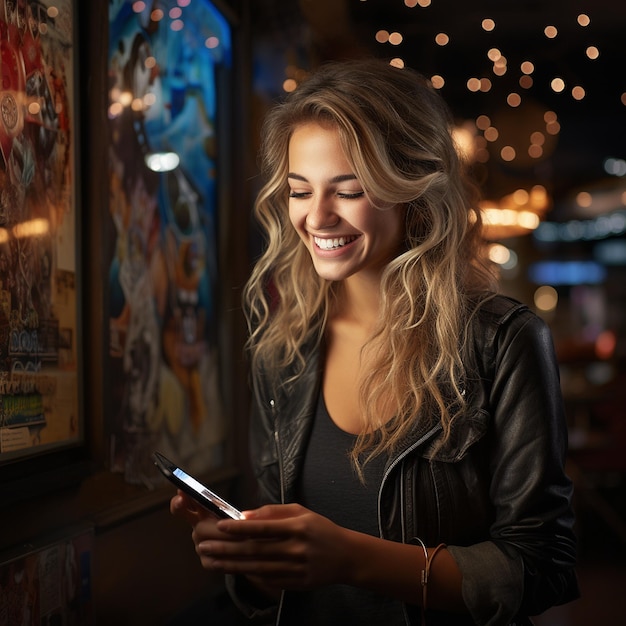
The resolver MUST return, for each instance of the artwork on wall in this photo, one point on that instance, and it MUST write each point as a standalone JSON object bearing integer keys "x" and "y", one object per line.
{"x": 50, "y": 583}
{"x": 169, "y": 63}
{"x": 39, "y": 285}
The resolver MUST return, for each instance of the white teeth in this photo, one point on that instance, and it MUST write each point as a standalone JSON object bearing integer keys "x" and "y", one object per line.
{"x": 330, "y": 244}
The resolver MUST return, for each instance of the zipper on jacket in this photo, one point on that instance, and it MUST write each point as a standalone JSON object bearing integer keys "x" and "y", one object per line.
{"x": 436, "y": 490}
{"x": 281, "y": 477}
{"x": 391, "y": 467}
{"x": 281, "y": 480}
{"x": 279, "y": 456}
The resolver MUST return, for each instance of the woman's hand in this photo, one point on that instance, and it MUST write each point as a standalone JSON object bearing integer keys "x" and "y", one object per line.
{"x": 202, "y": 521}
{"x": 285, "y": 545}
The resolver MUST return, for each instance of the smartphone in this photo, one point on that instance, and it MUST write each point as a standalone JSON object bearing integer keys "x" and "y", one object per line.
{"x": 196, "y": 489}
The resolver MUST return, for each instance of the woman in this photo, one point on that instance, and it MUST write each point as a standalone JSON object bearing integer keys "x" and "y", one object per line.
{"x": 408, "y": 436}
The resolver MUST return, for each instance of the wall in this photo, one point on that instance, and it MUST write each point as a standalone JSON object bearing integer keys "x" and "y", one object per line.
{"x": 144, "y": 569}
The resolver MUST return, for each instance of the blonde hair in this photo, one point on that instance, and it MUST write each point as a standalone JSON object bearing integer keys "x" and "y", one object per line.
{"x": 396, "y": 133}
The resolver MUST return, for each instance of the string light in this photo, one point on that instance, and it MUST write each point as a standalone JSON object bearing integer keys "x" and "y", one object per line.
{"x": 382, "y": 36}
{"x": 483, "y": 122}
{"x": 550, "y": 32}
{"x": 508, "y": 153}
{"x": 491, "y": 134}
{"x": 557, "y": 84}
{"x": 500, "y": 63}
{"x": 485, "y": 85}
{"x": 517, "y": 87}
{"x": 500, "y": 66}
{"x": 438, "y": 82}
{"x": 514, "y": 99}
{"x": 537, "y": 138}
{"x": 473, "y": 84}
{"x": 494, "y": 54}
{"x": 592, "y": 52}
{"x": 526, "y": 82}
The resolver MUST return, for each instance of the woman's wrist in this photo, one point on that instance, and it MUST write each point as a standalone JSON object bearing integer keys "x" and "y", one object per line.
{"x": 395, "y": 569}
{"x": 383, "y": 566}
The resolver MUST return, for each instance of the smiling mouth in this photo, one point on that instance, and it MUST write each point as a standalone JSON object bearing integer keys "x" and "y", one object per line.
{"x": 333, "y": 244}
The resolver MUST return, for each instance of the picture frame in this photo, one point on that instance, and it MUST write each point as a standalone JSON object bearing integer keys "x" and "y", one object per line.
{"x": 42, "y": 423}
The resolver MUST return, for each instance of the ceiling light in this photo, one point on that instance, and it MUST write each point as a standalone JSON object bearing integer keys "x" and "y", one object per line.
{"x": 162, "y": 161}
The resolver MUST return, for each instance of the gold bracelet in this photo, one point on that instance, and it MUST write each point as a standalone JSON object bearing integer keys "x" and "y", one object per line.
{"x": 426, "y": 573}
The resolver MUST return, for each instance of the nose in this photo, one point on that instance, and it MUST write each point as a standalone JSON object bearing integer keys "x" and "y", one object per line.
{"x": 321, "y": 214}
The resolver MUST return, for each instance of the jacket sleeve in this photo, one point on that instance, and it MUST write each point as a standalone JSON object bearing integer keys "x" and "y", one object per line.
{"x": 250, "y": 603}
{"x": 528, "y": 564}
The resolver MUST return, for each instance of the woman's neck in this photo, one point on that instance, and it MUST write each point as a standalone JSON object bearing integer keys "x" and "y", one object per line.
{"x": 359, "y": 301}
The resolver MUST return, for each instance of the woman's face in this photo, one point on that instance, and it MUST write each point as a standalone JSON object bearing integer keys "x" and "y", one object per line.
{"x": 345, "y": 235}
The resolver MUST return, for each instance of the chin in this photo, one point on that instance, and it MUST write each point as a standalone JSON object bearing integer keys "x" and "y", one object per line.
{"x": 332, "y": 276}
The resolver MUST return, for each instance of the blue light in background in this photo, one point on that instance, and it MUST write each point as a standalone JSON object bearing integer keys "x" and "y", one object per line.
{"x": 567, "y": 273}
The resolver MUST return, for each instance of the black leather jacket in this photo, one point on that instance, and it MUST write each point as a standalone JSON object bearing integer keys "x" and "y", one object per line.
{"x": 496, "y": 494}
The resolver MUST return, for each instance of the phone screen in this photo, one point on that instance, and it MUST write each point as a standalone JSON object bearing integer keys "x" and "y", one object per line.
{"x": 196, "y": 489}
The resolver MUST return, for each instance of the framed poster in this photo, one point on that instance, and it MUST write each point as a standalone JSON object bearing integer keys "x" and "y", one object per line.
{"x": 40, "y": 386}
{"x": 49, "y": 583}
{"x": 169, "y": 71}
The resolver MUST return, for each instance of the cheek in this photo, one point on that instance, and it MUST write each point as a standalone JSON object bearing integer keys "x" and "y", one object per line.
{"x": 297, "y": 219}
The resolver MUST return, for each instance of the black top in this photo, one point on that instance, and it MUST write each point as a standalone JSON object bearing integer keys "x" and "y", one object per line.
{"x": 330, "y": 486}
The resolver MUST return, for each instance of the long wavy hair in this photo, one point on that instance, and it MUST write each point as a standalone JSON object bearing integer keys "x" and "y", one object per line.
{"x": 395, "y": 130}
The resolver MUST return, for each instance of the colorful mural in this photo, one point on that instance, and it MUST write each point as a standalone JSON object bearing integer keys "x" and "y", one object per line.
{"x": 168, "y": 61}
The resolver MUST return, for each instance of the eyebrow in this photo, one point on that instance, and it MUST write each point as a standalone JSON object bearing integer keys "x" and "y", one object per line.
{"x": 335, "y": 179}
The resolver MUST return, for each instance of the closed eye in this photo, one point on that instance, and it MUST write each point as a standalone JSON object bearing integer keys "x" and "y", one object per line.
{"x": 351, "y": 195}
{"x": 340, "y": 194}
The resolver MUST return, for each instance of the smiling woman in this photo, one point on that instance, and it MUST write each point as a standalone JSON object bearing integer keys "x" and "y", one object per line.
{"x": 408, "y": 435}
